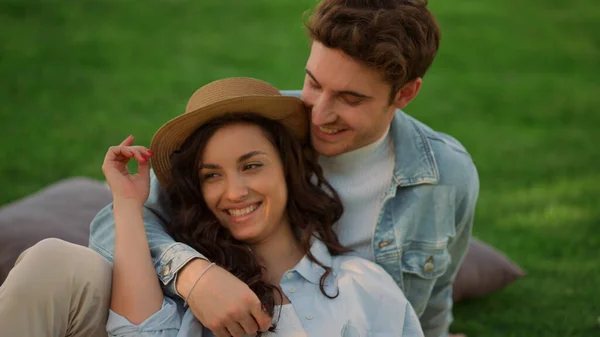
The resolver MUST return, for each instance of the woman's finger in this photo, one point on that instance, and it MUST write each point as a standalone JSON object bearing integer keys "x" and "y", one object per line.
{"x": 144, "y": 170}
{"x": 137, "y": 148}
{"x": 128, "y": 141}
{"x": 140, "y": 153}
{"x": 118, "y": 153}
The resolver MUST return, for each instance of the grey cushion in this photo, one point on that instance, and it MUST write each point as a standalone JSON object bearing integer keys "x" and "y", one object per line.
{"x": 484, "y": 270}
{"x": 63, "y": 210}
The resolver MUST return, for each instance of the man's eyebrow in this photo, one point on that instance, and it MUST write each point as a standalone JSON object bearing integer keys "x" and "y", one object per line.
{"x": 342, "y": 92}
{"x": 353, "y": 93}
{"x": 312, "y": 76}
{"x": 240, "y": 159}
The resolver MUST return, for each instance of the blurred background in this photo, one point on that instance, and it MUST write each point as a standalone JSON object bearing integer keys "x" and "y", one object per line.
{"x": 517, "y": 82}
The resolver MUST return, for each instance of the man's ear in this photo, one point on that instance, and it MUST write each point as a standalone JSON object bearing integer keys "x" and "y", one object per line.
{"x": 408, "y": 92}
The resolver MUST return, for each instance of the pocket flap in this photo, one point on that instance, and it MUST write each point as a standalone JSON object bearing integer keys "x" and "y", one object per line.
{"x": 426, "y": 264}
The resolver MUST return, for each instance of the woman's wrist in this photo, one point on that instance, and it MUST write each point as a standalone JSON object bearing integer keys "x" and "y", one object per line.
{"x": 188, "y": 275}
{"x": 127, "y": 204}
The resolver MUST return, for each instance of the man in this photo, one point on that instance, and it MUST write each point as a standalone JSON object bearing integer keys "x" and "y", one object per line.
{"x": 409, "y": 192}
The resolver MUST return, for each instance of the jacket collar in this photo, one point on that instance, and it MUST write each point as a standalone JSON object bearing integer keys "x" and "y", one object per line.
{"x": 414, "y": 162}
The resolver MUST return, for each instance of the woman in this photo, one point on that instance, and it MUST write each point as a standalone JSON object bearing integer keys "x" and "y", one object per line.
{"x": 245, "y": 193}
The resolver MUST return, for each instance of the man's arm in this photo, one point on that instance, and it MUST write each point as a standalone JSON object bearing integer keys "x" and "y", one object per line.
{"x": 168, "y": 256}
{"x": 437, "y": 316}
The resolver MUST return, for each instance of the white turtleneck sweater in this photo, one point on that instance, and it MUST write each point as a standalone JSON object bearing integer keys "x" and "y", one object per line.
{"x": 361, "y": 178}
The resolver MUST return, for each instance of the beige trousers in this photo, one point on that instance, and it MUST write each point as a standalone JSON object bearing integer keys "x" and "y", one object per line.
{"x": 56, "y": 289}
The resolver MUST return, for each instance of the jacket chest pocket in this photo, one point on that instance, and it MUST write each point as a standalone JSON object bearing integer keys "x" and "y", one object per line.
{"x": 420, "y": 270}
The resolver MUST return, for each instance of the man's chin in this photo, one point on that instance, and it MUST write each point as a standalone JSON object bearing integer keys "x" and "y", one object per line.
{"x": 328, "y": 149}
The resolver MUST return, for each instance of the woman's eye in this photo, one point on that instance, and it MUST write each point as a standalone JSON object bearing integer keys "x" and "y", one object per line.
{"x": 209, "y": 176}
{"x": 252, "y": 166}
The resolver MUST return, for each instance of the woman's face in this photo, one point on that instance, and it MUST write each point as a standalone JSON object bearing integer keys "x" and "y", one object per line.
{"x": 243, "y": 182}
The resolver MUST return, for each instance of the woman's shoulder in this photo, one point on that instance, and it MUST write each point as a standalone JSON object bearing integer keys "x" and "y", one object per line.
{"x": 358, "y": 272}
{"x": 356, "y": 266}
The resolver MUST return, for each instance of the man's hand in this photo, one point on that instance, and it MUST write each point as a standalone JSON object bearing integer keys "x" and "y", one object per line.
{"x": 221, "y": 302}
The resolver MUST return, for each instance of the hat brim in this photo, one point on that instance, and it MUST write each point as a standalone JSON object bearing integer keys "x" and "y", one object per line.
{"x": 289, "y": 111}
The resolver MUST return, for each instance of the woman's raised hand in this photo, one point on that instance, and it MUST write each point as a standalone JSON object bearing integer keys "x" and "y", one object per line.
{"x": 123, "y": 184}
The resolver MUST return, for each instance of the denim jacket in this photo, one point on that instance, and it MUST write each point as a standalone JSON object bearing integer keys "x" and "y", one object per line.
{"x": 369, "y": 303}
{"x": 420, "y": 239}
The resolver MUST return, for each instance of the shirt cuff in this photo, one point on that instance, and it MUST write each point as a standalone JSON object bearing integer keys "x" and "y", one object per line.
{"x": 165, "y": 322}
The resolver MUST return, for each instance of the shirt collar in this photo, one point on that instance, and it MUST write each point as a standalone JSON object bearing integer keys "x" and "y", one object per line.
{"x": 311, "y": 271}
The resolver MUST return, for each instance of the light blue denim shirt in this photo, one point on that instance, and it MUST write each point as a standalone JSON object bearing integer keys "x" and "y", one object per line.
{"x": 422, "y": 232}
{"x": 369, "y": 303}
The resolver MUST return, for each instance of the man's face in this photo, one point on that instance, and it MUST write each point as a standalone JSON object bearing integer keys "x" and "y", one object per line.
{"x": 349, "y": 102}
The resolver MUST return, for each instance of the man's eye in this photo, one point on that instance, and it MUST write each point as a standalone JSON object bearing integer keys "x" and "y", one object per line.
{"x": 351, "y": 100}
{"x": 313, "y": 85}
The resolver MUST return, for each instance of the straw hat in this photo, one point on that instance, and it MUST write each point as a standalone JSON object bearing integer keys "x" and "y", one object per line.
{"x": 226, "y": 96}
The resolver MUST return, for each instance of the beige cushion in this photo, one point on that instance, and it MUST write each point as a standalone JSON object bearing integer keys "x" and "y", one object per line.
{"x": 484, "y": 270}
{"x": 63, "y": 210}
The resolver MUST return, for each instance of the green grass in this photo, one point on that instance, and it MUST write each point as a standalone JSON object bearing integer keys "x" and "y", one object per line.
{"x": 516, "y": 81}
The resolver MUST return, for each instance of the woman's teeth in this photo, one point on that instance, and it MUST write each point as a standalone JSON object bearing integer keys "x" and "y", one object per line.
{"x": 242, "y": 211}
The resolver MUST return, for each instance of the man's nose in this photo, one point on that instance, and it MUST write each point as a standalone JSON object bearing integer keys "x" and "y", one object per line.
{"x": 322, "y": 112}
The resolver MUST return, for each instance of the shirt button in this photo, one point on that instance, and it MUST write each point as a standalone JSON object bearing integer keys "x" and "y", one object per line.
{"x": 292, "y": 290}
{"x": 289, "y": 275}
{"x": 310, "y": 316}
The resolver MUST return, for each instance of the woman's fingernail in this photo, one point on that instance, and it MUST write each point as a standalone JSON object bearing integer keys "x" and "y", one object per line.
{"x": 150, "y": 153}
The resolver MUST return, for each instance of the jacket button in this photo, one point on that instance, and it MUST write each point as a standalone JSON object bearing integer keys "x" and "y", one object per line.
{"x": 382, "y": 244}
{"x": 429, "y": 265}
{"x": 310, "y": 316}
{"x": 166, "y": 269}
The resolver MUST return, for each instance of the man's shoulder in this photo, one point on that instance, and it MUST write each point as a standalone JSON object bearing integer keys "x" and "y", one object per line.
{"x": 454, "y": 163}
{"x": 292, "y": 93}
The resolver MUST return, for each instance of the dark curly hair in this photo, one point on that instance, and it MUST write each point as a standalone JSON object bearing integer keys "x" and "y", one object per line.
{"x": 313, "y": 206}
